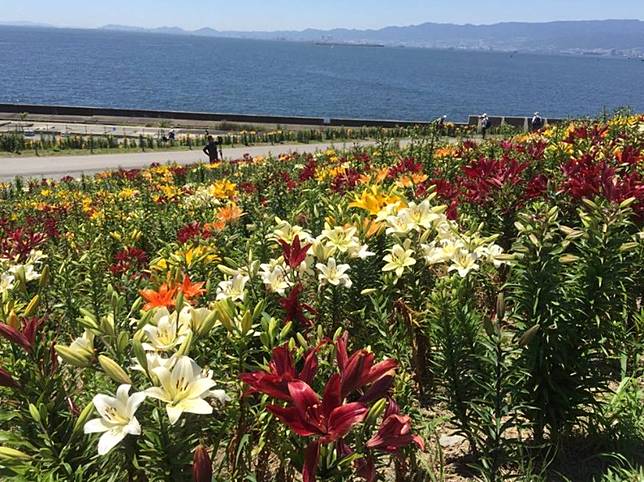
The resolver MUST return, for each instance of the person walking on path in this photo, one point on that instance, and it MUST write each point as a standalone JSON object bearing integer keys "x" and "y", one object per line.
{"x": 537, "y": 122}
{"x": 485, "y": 123}
{"x": 213, "y": 149}
{"x": 440, "y": 124}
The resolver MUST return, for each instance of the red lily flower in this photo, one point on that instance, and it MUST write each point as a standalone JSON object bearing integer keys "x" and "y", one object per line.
{"x": 274, "y": 383}
{"x": 294, "y": 253}
{"x": 295, "y": 309}
{"x": 327, "y": 418}
{"x": 358, "y": 371}
{"x": 394, "y": 432}
{"x": 24, "y": 339}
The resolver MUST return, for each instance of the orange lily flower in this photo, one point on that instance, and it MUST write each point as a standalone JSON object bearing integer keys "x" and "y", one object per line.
{"x": 191, "y": 290}
{"x": 163, "y": 298}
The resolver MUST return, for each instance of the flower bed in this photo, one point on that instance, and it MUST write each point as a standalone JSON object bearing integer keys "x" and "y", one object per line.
{"x": 326, "y": 316}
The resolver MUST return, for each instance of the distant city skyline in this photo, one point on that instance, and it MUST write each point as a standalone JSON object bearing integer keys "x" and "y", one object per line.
{"x": 298, "y": 14}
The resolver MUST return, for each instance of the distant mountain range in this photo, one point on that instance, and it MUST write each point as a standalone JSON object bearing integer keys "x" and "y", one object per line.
{"x": 594, "y": 37}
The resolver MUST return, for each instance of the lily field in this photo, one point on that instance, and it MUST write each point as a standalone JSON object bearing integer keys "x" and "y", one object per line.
{"x": 439, "y": 311}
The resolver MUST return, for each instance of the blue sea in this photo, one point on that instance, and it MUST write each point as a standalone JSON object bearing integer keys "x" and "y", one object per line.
{"x": 152, "y": 71}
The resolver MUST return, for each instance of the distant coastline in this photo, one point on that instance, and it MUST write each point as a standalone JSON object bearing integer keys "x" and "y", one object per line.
{"x": 610, "y": 38}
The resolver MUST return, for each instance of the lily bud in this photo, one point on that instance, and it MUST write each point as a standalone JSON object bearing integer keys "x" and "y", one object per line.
{"x": 246, "y": 323}
{"x": 201, "y": 465}
{"x": 13, "y": 320}
{"x": 529, "y": 335}
{"x": 107, "y": 325}
{"x": 35, "y": 414}
{"x": 140, "y": 355}
{"x": 500, "y": 307}
{"x": 9, "y": 454}
{"x": 113, "y": 370}
{"x": 31, "y": 307}
{"x": 184, "y": 349}
{"x": 83, "y": 417}
{"x": 44, "y": 277}
{"x": 286, "y": 330}
{"x": 376, "y": 410}
{"x": 77, "y": 358}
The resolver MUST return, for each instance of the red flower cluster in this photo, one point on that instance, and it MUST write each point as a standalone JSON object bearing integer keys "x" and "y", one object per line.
{"x": 484, "y": 177}
{"x": 407, "y": 165}
{"x": 346, "y": 181}
{"x": 128, "y": 259}
{"x": 194, "y": 230}
{"x": 20, "y": 242}
{"x": 587, "y": 178}
{"x": 309, "y": 170}
{"x": 295, "y": 309}
{"x": 331, "y": 417}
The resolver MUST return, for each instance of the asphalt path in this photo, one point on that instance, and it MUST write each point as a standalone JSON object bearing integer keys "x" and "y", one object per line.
{"x": 55, "y": 167}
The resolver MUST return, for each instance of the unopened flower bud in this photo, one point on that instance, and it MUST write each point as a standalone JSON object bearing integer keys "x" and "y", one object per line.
{"x": 201, "y": 465}
{"x": 113, "y": 370}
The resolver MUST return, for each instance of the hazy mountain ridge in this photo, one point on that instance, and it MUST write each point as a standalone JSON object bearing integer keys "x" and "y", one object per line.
{"x": 619, "y": 37}
{"x": 602, "y": 37}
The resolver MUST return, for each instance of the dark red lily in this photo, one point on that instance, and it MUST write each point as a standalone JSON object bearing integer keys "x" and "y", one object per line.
{"x": 281, "y": 371}
{"x": 358, "y": 371}
{"x": 24, "y": 338}
{"x": 294, "y": 253}
{"x": 294, "y": 309}
{"x": 328, "y": 419}
{"x": 394, "y": 432}
{"x": 6, "y": 380}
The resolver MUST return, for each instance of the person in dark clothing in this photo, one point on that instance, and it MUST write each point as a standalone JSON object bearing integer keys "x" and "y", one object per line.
{"x": 485, "y": 124}
{"x": 213, "y": 149}
{"x": 537, "y": 122}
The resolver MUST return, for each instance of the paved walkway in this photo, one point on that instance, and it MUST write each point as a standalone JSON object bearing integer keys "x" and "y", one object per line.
{"x": 60, "y": 166}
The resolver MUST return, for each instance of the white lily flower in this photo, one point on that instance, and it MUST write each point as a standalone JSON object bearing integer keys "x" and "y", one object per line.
{"x": 154, "y": 360}
{"x": 464, "y": 263}
{"x": 184, "y": 388}
{"x": 399, "y": 224}
{"x": 169, "y": 331}
{"x": 233, "y": 289}
{"x": 420, "y": 216}
{"x": 84, "y": 344}
{"x": 274, "y": 277}
{"x": 117, "y": 418}
{"x": 362, "y": 252}
{"x": 343, "y": 239}
{"x": 287, "y": 232}
{"x": 334, "y": 274}
{"x": 398, "y": 260}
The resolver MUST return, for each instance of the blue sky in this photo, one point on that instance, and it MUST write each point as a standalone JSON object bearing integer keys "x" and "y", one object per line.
{"x": 299, "y": 14}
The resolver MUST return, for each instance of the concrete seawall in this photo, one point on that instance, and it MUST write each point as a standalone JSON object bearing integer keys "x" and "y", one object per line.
{"x": 71, "y": 112}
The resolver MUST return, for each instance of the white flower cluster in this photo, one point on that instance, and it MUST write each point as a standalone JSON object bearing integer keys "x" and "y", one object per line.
{"x": 177, "y": 380}
{"x": 201, "y": 197}
{"x": 412, "y": 228}
{"x": 11, "y": 270}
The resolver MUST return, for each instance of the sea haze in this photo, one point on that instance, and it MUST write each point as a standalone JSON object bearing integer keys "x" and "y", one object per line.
{"x": 155, "y": 71}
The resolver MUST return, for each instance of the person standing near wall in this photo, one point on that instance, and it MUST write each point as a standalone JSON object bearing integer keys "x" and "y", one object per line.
{"x": 485, "y": 124}
{"x": 536, "y": 124}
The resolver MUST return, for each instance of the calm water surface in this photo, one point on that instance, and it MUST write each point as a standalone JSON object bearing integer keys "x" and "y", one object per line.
{"x": 113, "y": 69}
